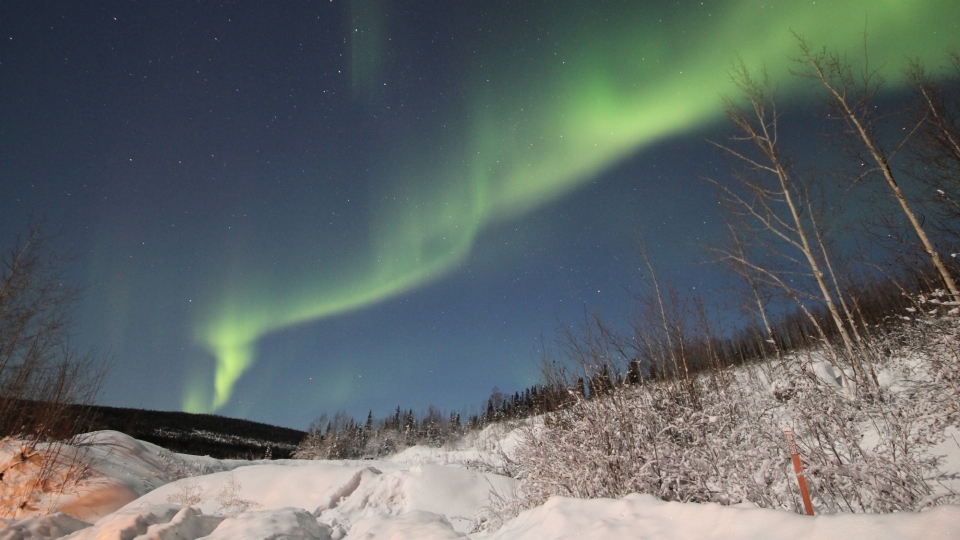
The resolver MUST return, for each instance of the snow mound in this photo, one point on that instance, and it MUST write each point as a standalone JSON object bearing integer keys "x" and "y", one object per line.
{"x": 309, "y": 485}
{"x": 160, "y": 522}
{"x": 417, "y": 524}
{"x": 643, "y": 516}
{"x": 490, "y": 449}
{"x": 340, "y": 494}
{"x": 286, "y": 523}
{"x": 561, "y": 518}
{"x": 41, "y": 527}
{"x": 115, "y": 470}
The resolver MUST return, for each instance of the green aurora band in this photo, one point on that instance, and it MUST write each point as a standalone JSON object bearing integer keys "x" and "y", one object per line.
{"x": 543, "y": 122}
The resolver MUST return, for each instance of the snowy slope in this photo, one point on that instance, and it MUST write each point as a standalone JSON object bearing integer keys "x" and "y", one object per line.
{"x": 121, "y": 469}
{"x": 138, "y": 490}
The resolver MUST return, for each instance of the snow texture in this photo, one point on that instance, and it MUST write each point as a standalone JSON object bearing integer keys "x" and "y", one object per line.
{"x": 643, "y": 516}
{"x": 424, "y": 494}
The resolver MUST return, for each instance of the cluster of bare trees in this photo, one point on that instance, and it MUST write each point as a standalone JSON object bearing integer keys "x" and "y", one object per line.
{"x": 780, "y": 241}
{"x": 837, "y": 310}
{"x": 44, "y": 380}
{"x": 719, "y": 436}
{"x": 702, "y": 418}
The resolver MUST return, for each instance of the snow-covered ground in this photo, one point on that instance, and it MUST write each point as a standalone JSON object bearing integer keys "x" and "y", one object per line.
{"x": 138, "y": 490}
{"x": 121, "y": 488}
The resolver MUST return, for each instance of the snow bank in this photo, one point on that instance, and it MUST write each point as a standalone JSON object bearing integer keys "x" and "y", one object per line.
{"x": 154, "y": 522}
{"x": 417, "y": 524}
{"x": 120, "y": 470}
{"x": 633, "y": 517}
{"x": 39, "y": 527}
{"x": 340, "y": 494}
{"x": 286, "y": 523}
{"x": 396, "y": 499}
{"x": 488, "y": 449}
{"x": 309, "y": 485}
{"x": 643, "y": 516}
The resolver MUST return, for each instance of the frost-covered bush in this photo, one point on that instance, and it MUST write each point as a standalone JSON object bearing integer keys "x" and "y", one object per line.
{"x": 345, "y": 438}
{"x": 864, "y": 434}
{"x": 678, "y": 443}
{"x": 864, "y": 449}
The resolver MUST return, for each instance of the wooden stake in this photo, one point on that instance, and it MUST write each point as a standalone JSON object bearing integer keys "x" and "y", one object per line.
{"x": 798, "y": 469}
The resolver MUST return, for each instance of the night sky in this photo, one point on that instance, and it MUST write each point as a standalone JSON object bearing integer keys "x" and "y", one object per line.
{"x": 288, "y": 208}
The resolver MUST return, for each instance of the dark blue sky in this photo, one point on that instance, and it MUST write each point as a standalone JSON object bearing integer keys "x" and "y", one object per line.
{"x": 291, "y": 208}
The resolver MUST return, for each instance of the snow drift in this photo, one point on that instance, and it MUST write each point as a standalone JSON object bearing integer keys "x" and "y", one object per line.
{"x": 140, "y": 491}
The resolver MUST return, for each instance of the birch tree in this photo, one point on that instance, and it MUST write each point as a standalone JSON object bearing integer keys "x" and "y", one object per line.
{"x": 852, "y": 98}
{"x": 765, "y": 205}
{"x": 935, "y": 150}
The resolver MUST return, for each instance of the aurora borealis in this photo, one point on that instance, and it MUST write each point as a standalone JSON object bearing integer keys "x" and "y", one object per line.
{"x": 263, "y": 195}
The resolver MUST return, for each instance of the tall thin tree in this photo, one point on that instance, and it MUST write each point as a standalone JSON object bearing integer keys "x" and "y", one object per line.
{"x": 853, "y": 97}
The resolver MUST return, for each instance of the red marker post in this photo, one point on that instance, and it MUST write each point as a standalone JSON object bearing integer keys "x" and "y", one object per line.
{"x": 798, "y": 469}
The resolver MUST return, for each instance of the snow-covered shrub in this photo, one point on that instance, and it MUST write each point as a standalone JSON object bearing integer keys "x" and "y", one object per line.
{"x": 864, "y": 434}
{"x": 863, "y": 451}
{"x": 45, "y": 381}
{"x": 345, "y": 438}
{"x": 176, "y": 468}
{"x": 34, "y": 473}
{"x": 659, "y": 438}
{"x": 229, "y": 500}
{"x": 187, "y": 494}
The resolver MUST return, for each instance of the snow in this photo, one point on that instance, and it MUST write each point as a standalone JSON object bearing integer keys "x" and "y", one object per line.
{"x": 341, "y": 493}
{"x": 140, "y": 491}
{"x": 154, "y": 522}
{"x": 53, "y": 525}
{"x": 130, "y": 489}
{"x": 292, "y": 523}
{"x": 415, "y": 524}
{"x": 643, "y": 516}
{"x": 121, "y": 470}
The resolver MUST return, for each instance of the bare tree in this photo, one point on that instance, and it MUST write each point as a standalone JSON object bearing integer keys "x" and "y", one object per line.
{"x": 935, "y": 150}
{"x": 45, "y": 383}
{"x": 852, "y": 97}
{"x": 766, "y": 206}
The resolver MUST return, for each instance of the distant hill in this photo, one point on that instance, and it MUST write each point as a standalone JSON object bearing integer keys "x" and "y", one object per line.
{"x": 200, "y": 434}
